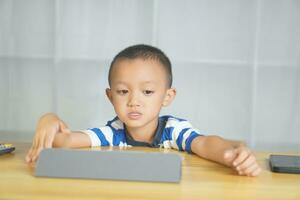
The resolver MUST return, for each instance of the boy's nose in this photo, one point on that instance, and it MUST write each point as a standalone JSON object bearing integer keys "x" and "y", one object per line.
{"x": 133, "y": 101}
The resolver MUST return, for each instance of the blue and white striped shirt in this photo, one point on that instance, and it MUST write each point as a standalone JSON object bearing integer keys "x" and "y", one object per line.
{"x": 172, "y": 132}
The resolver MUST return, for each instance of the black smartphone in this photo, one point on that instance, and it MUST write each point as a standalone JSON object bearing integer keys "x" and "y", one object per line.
{"x": 6, "y": 148}
{"x": 285, "y": 164}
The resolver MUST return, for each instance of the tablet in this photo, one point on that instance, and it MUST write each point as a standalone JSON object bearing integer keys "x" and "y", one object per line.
{"x": 115, "y": 165}
{"x": 285, "y": 164}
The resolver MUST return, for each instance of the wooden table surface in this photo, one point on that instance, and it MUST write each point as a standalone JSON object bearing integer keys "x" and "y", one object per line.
{"x": 201, "y": 179}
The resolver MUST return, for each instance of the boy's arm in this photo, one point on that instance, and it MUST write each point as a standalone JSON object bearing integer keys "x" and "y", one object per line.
{"x": 71, "y": 140}
{"x": 230, "y": 153}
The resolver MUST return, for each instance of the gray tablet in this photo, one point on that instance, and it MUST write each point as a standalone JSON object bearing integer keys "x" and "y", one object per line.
{"x": 115, "y": 165}
{"x": 285, "y": 164}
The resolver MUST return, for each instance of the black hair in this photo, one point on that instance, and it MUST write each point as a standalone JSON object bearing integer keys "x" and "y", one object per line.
{"x": 144, "y": 52}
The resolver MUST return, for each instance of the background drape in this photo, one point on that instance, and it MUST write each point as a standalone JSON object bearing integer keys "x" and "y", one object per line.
{"x": 235, "y": 63}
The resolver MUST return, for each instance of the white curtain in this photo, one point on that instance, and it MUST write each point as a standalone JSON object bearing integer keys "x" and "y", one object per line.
{"x": 236, "y": 63}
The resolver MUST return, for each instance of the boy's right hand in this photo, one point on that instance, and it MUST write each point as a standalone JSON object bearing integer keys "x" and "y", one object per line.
{"x": 48, "y": 126}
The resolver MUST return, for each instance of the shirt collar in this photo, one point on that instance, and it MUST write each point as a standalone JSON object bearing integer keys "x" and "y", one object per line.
{"x": 156, "y": 141}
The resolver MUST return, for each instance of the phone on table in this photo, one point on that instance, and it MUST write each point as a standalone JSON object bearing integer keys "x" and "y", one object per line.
{"x": 285, "y": 164}
{"x": 6, "y": 148}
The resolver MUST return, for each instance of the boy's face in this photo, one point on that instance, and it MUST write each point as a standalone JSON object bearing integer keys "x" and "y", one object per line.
{"x": 138, "y": 91}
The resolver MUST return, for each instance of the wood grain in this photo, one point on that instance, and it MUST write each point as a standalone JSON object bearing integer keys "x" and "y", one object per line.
{"x": 201, "y": 179}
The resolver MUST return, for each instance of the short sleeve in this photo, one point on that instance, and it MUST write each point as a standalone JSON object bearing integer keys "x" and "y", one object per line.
{"x": 181, "y": 134}
{"x": 102, "y": 136}
{"x": 112, "y": 134}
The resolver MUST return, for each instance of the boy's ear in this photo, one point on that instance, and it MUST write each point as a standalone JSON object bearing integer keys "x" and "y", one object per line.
{"x": 108, "y": 94}
{"x": 170, "y": 95}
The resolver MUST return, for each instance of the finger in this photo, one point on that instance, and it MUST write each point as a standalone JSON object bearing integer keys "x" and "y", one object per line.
{"x": 242, "y": 155}
{"x": 49, "y": 139}
{"x": 256, "y": 172}
{"x": 229, "y": 156}
{"x": 250, "y": 160}
{"x": 39, "y": 145}
{"x": 37, "y": 153}
{"x": 48, "y": 142}
{"x": 37, "y": 137}
{"x": 250, "y": 169}
{"x": 33, "y": 154}
{"x": 28, "y": 156}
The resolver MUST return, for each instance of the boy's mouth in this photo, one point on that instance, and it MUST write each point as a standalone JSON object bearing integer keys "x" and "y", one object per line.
{"x": 134, "y": 115}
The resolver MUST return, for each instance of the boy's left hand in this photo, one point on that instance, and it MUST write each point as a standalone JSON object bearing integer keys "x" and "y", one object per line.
{"x": 243, "y": 161}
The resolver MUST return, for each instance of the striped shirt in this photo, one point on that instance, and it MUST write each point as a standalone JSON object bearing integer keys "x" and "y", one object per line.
{"x": 171, "y": 132}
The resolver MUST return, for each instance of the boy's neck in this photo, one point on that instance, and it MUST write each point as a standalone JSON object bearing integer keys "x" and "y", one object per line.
{"x": 145, "y": 133}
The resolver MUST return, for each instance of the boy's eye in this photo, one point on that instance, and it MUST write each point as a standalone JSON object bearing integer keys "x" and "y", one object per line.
{"x": 122, "y": 92}
{"x": 148, "y": 92}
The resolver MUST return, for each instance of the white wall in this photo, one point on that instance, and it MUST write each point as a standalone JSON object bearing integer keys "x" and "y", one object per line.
{"x": 236, "y": 63}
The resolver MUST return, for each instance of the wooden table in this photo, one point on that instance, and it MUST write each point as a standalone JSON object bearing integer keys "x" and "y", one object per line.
{"x": 201, "y": 179}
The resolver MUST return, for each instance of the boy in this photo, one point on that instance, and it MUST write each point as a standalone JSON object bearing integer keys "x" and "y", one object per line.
{"x": 140, "y": 80}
